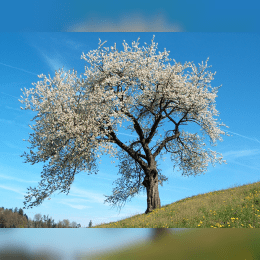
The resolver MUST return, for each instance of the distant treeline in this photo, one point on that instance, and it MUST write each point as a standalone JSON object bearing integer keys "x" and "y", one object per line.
{"x": 10, "y": 218}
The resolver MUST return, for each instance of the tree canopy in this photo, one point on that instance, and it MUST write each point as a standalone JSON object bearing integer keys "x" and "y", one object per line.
{"x": 78, "y": 118}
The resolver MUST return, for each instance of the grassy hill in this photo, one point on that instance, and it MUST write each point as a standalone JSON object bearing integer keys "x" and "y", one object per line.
{"x": 207, "y": 216}
{"x": 237, "y": 207}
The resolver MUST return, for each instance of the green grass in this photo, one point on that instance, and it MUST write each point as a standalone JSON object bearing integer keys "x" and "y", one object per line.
{"x": 237, "y": 207}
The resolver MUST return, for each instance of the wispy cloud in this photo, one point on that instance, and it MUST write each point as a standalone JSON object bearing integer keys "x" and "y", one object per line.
{"x": 75, "y": 206}
{"x": 10, "y": 95}
{"x": 15, "y": 179}
{"x": 103, "y": 178}
{"x": 11, "y": 189}
{"x": 241, "y": 153}
{"x": 55, "y": 63}
{"x": 74, "y": 45}
{"x": 246, "y": 165}
{"x": 11, "y": 108}
{"x": 18, "y": 68}
{"x": 10, "y": 145}
{"x": 93, "y": 196}
{"x": 5, "y": 121}
{"x": 254, "y": 139}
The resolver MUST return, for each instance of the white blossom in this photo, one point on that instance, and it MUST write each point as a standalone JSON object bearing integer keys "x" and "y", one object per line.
{"x": 133, "y": 85}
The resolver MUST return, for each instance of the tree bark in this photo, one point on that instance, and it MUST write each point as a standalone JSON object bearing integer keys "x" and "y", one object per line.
{"x": 151, "y": 184}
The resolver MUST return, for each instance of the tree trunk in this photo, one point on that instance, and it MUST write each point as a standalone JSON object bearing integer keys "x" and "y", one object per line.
{"x": 151, "y": 184}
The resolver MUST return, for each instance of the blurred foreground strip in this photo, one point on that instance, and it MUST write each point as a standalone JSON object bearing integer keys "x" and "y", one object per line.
{"x": 192, "y": 244}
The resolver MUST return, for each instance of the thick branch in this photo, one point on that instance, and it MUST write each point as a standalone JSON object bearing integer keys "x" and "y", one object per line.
{"x": 153, "y": 129}
{"x": 167, "y": 139}
{"x": 129, "y": 150}
{"x": 112, "y": 140}
{"x": 141, "y": 135}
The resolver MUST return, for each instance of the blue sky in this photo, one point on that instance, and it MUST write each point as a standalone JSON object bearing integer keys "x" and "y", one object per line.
{"x": 235, "y": 57}
{"x": 142, "y": 16}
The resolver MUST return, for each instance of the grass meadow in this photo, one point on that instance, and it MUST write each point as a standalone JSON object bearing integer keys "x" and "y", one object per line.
{"x": 237, "y": 207}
